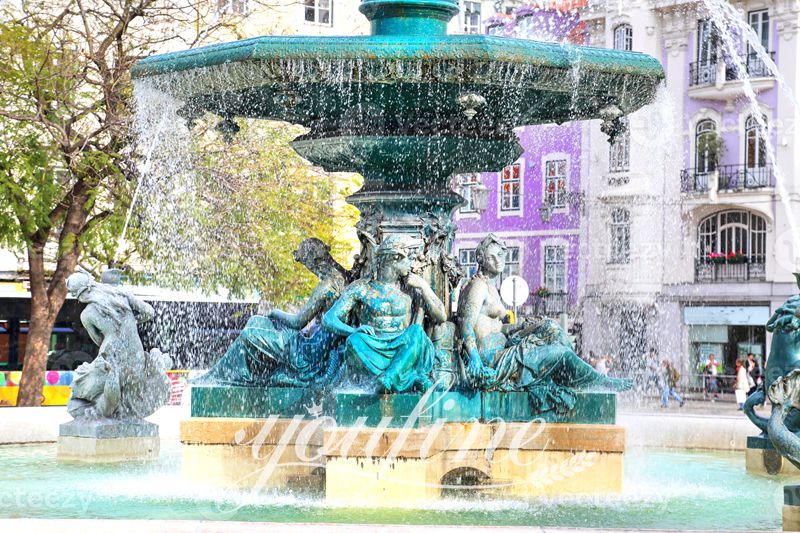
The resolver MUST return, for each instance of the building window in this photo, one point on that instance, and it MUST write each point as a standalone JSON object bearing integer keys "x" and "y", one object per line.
{"x": 555, "y": 182}
{"x": 510, "y": 183}
{"x": 755, "y": 144}
{"x": 555, "y": 268}
{"x": 707, "y": 39}
{"x": 623, "y": 37}
{"x": 620, "y": 236}
{"x": 467, "y": 259}
{"x": 512, "y": 262}
{"x": 233, "y": 7}
{"x": 472, "y": 17}
{"x": 706, "y": 148}
{"x": 619, "y": 151}
{"x": 319, "y": 11}
{"x": 466, "y": 183}
{"x": 735, "y": 234}
{"x": 759, "y": 21}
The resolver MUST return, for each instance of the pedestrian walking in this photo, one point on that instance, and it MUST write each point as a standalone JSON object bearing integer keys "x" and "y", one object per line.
{"x": 669, "y": 380}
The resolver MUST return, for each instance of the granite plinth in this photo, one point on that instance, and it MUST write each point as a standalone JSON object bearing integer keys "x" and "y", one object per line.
{"x": 761, "y": 457}
{"x": 108, "y": 440}
{"x": 392, "y": 410}
{"x": 386, "y": 467}
{"x": 108, "y": 428}
{"x": 790, "y": 513}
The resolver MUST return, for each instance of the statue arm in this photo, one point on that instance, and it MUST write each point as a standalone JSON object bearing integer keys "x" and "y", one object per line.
{"x": 142, "y": 310}
{"x": 474, "y": 298}
{"x": 315, "y": 305}
{"x": 334, "y": 319}
{"x": 433, "y": 305}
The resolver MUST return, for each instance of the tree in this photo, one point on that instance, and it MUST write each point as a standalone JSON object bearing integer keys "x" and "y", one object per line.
{"x": 66, "y": 162}
{"x": 217, "y": 212}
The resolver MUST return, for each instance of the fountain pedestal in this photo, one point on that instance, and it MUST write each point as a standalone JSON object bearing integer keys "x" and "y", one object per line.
{"x": 108, "y": 440}
{"x": 392, "y": 449}
{"x": 761, "y": 457}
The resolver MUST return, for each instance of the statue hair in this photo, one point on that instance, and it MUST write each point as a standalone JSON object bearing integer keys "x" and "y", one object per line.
{"x": 487, "y": 241}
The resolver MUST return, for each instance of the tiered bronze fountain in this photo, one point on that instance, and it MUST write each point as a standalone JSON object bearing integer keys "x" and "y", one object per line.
{"x": 404, "y": 383}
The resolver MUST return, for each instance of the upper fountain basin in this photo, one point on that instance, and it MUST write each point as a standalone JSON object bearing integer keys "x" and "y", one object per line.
{"x": 399, "y": 84}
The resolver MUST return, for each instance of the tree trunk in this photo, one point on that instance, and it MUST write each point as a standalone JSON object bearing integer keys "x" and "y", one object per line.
{"x": 40, "y": 327}
{"x": 36, "y": 347}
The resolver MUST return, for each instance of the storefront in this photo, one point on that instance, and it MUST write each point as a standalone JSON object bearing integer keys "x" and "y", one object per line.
{"x": 728, "y": 332}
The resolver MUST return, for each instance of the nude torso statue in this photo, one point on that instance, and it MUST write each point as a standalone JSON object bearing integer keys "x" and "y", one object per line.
{"x": 388, "y": 340}
{"x": 534, "y": 355}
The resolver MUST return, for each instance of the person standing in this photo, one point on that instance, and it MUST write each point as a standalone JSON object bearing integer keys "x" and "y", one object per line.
{"x": 669, "y": 379}
{"x": 742, "y": 383}
{"x": 712, "y": 370}
{"x": 754, "y": 372}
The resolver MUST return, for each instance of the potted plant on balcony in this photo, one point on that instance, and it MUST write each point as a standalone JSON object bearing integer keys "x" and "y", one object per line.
{"x": 716, "y": 258}
{"x": 710, "y": 149}
{"x": 542, "y": 292}
{"x": 736, "y": 257}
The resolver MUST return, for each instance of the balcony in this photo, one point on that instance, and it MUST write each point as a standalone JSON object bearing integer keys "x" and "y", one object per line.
{"x": 730, "y": 178}
{"x": 707, "y": 272}
{"x": 718, "y": 80}
{"x": 551, "y": 305}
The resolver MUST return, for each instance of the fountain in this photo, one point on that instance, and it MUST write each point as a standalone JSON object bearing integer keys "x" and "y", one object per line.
{"x": 403, "y": 389}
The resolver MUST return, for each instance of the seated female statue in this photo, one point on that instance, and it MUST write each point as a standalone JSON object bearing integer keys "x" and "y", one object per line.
{"x": 533, "y": 356}
{"x": 272, "y": 349}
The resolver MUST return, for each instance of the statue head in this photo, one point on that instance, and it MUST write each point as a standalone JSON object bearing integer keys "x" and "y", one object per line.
{"x": 79, "y": 284}
{"x": 797, "y": 278}
{"x": 399, "y": 249}
{"x": 491, "y": 255}
{"x": 314, "y": 254}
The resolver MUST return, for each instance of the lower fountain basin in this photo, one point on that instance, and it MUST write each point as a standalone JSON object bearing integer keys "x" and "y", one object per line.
{"x": 661, "y": 490}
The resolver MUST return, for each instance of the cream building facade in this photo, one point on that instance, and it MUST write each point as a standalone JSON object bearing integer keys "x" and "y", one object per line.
{"x": 692, "y": 228}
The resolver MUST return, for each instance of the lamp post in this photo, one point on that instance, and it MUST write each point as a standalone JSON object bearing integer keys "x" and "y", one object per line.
{"x": 576, "y": 200}
{"x": 480, "y": 197}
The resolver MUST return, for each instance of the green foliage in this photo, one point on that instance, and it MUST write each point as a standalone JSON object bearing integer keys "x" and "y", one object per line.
{"x": 711, "y": 143}
{"x": 249, "y": 204}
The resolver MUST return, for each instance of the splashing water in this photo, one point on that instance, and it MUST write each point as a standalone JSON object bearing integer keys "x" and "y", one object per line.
{"x": 144, "y": 170}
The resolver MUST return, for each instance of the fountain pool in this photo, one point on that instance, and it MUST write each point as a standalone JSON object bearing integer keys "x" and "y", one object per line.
{"x": 663, "y": 489}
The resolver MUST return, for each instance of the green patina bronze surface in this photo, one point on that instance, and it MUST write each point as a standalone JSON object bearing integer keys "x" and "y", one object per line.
{"x": 407, "y": 107}
{"x": 398, "y": 94}
{"x": 348, "y": 408}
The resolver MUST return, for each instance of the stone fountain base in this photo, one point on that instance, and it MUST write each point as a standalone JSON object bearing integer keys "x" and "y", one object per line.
{"x": 761, "y": 457}
{"x": 398, "y": 449}
{"x": 108, "y": 440}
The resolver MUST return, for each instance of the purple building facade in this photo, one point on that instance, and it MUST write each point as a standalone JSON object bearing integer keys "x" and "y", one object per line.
{"x": 543, "y": 248}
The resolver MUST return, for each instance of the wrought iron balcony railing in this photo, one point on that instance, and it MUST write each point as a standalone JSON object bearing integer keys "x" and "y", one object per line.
{"x": 702, "y": 73}
{"x": 731, "y": 178}
{"x": 551, "y": 305}
{"x": 705, "y": 72}
{"x": 708, "y": 272}
{"x": 754, "y": 66}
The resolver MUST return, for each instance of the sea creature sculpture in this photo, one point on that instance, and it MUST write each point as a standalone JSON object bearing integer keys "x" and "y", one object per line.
{"x": 784, "y": 358}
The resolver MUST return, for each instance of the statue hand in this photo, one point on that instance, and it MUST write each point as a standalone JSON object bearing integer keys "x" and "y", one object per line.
{"x": 416, "y": 282}
{"x": 366, "y": 330}
{"x": 475, "y": 370}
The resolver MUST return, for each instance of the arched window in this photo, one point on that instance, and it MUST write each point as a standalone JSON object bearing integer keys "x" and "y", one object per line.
{"x": 755, "y": 153}
{"x": 623, "y": 37}
{"x": 706, "y": 146}
{"x": 620, "y": 236}
{"x": 732, "y": 237}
